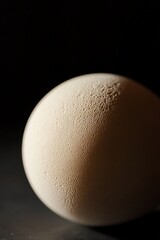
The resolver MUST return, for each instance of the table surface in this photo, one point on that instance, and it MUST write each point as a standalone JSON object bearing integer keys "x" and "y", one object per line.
{"x": 24, "y": 217}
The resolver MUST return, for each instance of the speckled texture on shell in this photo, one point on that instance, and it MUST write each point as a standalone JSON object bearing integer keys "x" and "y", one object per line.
{"x": 90, "y": 149}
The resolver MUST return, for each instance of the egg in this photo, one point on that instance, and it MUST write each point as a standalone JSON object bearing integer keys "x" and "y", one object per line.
{"x": 91, "y": 149}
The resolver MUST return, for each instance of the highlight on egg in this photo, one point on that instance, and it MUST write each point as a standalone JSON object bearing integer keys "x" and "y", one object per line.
{"x": 91, "y": 149}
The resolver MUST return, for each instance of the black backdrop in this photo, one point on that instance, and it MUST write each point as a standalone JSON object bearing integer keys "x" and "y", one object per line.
{"x": 46, "y": 42}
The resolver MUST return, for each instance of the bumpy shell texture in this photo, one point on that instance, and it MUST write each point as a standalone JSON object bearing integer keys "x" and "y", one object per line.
{"x": 91, "y": 149}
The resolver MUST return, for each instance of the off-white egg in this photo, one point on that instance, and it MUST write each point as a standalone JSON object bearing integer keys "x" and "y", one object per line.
{"x": 91, "y": 149}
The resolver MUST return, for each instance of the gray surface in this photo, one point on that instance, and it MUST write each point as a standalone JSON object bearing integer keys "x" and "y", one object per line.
{"x": 24, "y": 217}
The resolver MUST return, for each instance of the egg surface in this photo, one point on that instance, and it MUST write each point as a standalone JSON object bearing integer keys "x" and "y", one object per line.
{"x": 91, "y": 149}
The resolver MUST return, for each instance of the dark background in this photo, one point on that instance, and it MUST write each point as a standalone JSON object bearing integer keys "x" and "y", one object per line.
{"x": 44, "y": 43}
{"x": 47, "y": 42}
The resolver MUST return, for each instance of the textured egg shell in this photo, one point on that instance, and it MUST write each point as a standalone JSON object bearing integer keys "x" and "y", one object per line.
{"x": 91, "y": 149}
